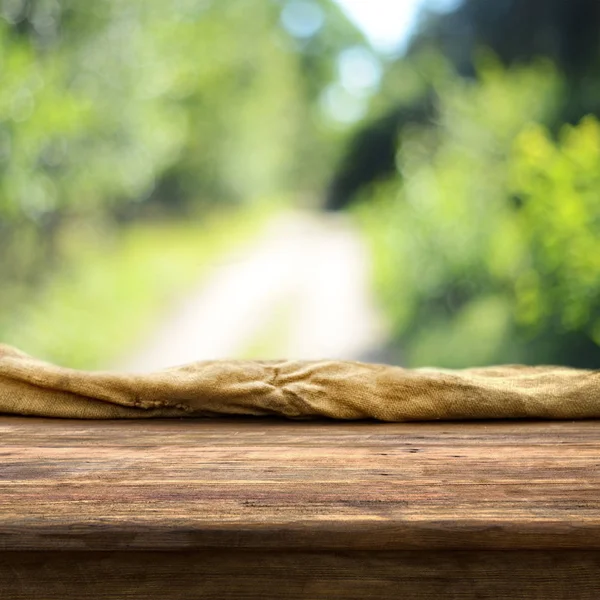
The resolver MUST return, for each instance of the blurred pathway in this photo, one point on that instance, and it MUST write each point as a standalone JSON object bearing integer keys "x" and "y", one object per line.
{"x": 301, "y": 292}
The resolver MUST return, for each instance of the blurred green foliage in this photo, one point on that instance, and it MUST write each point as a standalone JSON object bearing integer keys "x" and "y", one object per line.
{"x": 115, "y": 114}
{"x": 113, "y": 288}
{"x": 517, "y": 32}
{"x": 105, "y": 104}
{"x": 487, "y": 240}
{"x": 114, "y": 110}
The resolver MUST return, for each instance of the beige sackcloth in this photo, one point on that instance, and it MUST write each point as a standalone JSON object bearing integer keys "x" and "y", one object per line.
{"x": 298, "y": 390}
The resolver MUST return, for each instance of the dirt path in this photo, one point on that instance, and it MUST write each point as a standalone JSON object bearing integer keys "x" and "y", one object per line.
{"x": 301, "y": 292}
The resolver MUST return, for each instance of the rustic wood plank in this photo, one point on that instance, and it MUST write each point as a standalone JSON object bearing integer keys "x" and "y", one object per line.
{"x": 271, "y": 484}
{"x": 221, "y": 574}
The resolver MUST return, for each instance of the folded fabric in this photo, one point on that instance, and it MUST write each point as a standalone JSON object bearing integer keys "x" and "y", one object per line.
{"x": 298, "y": 390}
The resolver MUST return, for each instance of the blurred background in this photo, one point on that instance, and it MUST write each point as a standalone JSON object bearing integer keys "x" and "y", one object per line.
{"x": 405, "y": 181}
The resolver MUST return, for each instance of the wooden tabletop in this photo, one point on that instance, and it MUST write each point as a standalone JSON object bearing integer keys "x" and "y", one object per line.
{"x": 268, "y": 483}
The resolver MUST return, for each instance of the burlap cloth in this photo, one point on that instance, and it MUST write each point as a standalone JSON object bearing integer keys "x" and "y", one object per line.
{"x": 298, "y": 390}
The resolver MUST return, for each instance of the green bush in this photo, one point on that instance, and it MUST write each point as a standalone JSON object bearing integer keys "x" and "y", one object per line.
{"x": 487, "y": 243}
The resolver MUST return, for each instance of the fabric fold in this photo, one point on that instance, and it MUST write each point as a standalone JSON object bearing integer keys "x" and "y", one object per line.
{"x": 344, "y": 390}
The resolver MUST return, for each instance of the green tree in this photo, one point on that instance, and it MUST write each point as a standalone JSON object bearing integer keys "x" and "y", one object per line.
{"x": 110, "y": 108}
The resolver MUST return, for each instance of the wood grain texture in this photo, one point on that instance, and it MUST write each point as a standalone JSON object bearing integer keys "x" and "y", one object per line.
{"x": 270, "y": 484}
{"x": 221, "y": 574}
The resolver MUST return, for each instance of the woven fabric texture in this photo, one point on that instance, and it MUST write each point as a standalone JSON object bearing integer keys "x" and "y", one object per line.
{"x": 298, "y": 390}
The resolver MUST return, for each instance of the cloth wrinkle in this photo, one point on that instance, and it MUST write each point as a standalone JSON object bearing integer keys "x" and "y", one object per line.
{"x": 331, "y": 389}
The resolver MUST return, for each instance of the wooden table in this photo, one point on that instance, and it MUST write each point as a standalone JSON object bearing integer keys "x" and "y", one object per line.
{"x": 264, "y": 508}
